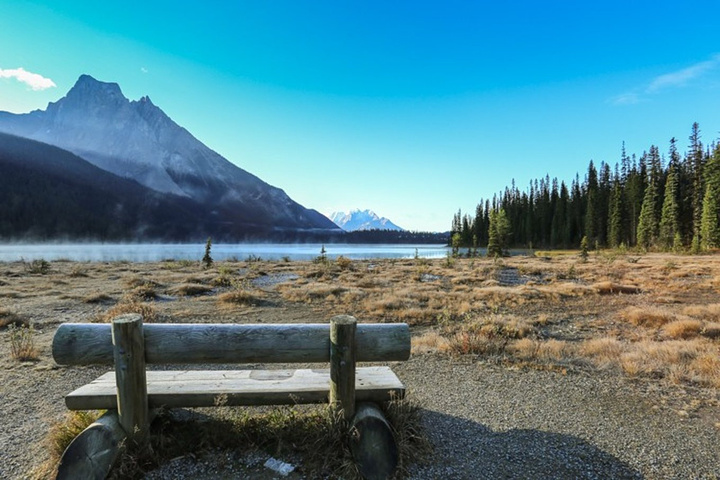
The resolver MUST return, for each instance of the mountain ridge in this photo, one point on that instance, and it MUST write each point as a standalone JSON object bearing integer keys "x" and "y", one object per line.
{"x": 358, "y": 219}
{"x": 137, "y": 140}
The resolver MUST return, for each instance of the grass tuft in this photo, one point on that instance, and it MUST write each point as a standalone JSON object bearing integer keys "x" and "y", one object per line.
{"x": 147, "y": 311}
{"x": 22, "y": 343}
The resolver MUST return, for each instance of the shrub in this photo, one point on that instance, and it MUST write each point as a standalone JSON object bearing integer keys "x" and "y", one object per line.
{"x": 40, "y": 266}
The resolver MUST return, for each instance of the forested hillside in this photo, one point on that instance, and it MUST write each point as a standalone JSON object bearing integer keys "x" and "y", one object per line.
{"x": 654, "y": 201}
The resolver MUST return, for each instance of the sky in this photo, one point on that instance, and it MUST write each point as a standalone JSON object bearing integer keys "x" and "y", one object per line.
{"x": 412, "y": 109}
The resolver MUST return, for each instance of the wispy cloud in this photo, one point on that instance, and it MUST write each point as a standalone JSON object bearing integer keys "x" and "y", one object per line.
{"x": 33, "y": 80}
{"x": 143, "y": 70}
{"x": 681, "y": 78}
{"x": 677, "y": 79}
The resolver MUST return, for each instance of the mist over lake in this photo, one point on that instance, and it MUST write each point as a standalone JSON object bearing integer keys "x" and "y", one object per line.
{"x": 154, "y": 252}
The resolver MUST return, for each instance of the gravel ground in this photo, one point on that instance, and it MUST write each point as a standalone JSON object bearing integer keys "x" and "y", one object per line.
{"x": 484, "y": 421}
{"x": 491, "y": 422}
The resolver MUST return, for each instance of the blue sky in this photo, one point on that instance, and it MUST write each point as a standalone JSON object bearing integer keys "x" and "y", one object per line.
{"x": 411, "y": 109}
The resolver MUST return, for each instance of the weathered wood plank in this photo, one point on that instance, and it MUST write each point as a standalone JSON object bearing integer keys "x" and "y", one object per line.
{"x": 342, "y": 364}
{"x": 240, "y": 387}
{"x": 129, "y": 355}
{"x": 85, "y": 343}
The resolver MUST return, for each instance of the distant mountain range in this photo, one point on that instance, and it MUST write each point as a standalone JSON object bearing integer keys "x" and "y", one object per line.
{"x": 129, "y": 155}
{"x": 362, "y": 220}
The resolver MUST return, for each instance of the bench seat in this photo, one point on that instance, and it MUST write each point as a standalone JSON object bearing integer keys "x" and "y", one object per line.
{"x": 208, "y": 388}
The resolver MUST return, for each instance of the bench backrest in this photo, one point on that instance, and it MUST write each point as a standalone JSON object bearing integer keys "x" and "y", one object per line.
{"x": 88, "y": 343}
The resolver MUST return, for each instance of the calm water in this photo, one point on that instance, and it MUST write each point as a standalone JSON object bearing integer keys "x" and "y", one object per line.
{"x": 155, "y": 252}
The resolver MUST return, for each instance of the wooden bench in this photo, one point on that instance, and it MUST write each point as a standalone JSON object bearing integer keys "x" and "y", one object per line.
{"x": 130, "y": 393}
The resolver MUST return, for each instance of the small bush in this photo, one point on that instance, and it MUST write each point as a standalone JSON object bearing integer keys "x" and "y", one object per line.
{"x": 22, "y": 343}
{"x": 40, "y": 266}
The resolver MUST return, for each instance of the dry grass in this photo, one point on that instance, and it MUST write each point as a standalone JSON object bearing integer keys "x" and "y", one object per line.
{"x": 148, "y": 312}
{"x": 239, "y": 297}
{"x": 190, "y": 289}
{"x": 8, "y": 318}
{"x": 59, "y": 436}
{"x": 683, "y": 329}
{"x": 317, "y": 435}
{"x": 610, "y": 288}
{"x": 648, "y": 316}
{"x": 22, "y": 343}
{"x": 97, "y": 297}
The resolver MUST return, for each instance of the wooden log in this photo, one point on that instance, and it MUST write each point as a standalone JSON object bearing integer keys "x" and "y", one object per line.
{"x": 86, "y": 343}
{"x": 342, "y": 364}
{"x": 372, "y": 443}
{"x": 92, "y": 454}
{"x": 129, "y": 354}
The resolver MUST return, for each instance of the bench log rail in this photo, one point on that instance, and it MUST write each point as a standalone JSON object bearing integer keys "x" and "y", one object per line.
{"x": 131, "y": 393}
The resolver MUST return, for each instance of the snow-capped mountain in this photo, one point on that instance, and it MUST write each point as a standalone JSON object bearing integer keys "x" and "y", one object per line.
{"x": 138, "y": 141}
{"x": 362, "y": 220}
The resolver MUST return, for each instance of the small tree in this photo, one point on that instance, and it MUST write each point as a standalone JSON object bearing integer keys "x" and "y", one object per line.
{"x": 455, "y": 242}
{"x": 584, "y": 248}
{"x": 207, "y": 259}
{"x": 498, "y": 233}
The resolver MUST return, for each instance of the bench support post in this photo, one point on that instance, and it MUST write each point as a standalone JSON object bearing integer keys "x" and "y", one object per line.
{"x": 129, "y": 354}
{"x": 373, "y": 444}
{"x": 342, "y": 364}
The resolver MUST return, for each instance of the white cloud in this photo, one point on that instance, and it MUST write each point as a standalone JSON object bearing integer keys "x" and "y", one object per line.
{"x": 143, "y": 70}
{"x": 681, "y": 77}
{"x": 677, "y": 79}
{"x": 33, "y": 80}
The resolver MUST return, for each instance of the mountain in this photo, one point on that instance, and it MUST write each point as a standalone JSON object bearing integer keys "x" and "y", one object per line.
{"x": 362, "y": 220}
{"x": 138, "y": 141}
{"x": 49, "y": 193}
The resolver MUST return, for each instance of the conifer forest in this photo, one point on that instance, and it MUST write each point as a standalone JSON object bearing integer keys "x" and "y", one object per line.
{"x": 655, "y": 201}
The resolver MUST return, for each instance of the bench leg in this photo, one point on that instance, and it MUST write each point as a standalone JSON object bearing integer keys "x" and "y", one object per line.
{"x": 92, "y": 454}
{"x": 372, "y": 443}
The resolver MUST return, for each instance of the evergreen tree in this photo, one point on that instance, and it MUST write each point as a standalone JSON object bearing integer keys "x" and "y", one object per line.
{"x": 698, "y": 188}
{"x": 498, "y": 233}
{"x": 615, "y": 215}
{"x": 647, "y": 229}
{"x": 670, "y": 217}
{"x": 710, "y": 226}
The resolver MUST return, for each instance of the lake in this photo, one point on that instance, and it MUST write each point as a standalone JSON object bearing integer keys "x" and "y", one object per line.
{"x": 108, "y": 252}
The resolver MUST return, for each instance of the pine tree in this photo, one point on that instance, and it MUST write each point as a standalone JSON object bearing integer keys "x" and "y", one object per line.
{"x": 710, "y": 226}
{"x": 207, "y": 259}
{"x": 695, "y": 162}
{"x": 647, "y": 229}
{"x": 498, "y": 233}
{"x": 615, "y": 215}
{"x": 670, "y": 217}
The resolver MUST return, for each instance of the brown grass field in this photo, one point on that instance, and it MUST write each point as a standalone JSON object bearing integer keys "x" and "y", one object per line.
{"x": 653, "y": 317}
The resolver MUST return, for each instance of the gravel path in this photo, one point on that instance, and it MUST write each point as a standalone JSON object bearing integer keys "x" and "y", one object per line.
{"x": 491, "y": 422}
{"x": 485, "y": 421}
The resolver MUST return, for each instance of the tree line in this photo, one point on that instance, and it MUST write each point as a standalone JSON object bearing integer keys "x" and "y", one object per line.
{"x": 654, "y": 201}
